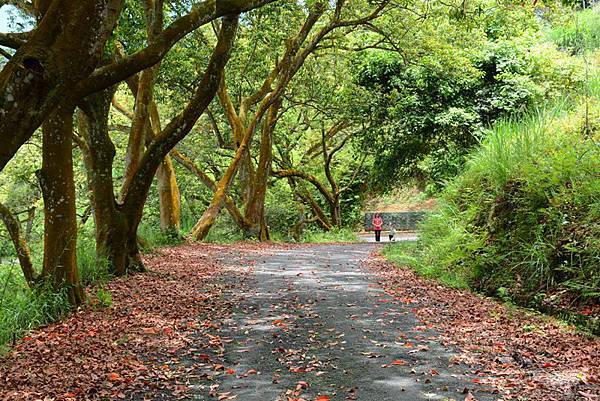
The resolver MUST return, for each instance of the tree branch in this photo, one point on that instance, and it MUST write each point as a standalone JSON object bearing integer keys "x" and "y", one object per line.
{"x": 16, "y": 234}
{"x": 200, "y": 14}
{"x": 182, "y": 124}
{"x": 290, "y": 172}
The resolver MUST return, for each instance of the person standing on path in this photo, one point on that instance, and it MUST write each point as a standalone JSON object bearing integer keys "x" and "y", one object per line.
{"x": 377, "y": 224}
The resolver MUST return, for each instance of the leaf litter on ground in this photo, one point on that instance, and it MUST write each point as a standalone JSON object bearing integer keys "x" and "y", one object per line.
{"x": 525, "y": 356}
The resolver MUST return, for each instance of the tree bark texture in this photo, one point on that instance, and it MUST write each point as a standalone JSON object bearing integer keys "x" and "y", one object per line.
{"x": 60, "y": 218}
{"x": 117, "y": 222}
{"x": 115, "y": 242}
{"x": 64, "y": 48}
{"x": 21, "y": 248}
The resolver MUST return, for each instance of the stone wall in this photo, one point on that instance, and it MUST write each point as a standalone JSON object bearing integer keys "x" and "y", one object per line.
{"x": 400, "y": 220}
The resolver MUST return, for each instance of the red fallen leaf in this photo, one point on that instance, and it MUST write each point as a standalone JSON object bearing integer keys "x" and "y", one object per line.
{"x": 398, "y": 362}
{"x": 168, "y": 330}
{"x": 113, "y": 377}
{"x": 549, "y": 364}
{"x": 203, "y": 356}
{"x": 279, "y": 323}
{"x": 230, "y": 371}
{"x": 323, "y": 398}
{"x": 434, "y": 372}
{"x": 476, "y": 380}
{"x": 150, "y": 330}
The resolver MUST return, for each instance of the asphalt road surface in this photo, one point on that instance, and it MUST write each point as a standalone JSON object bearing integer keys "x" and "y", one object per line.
{"x": 311, "y": 324}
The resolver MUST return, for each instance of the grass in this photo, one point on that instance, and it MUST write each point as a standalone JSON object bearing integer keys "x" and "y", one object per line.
{"x": 580, "y": 33}
{"x": 23, "y": 309}
{"x": 335, "y": 235}
{"x": 410, "y": 254}
{"x": 522, "y": 222}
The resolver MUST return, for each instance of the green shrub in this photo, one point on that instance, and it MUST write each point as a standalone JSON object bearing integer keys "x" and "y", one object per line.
{"x": 151, "y": 237}
{"x": 224, "y": 230}
{"x": 523, "y": 220}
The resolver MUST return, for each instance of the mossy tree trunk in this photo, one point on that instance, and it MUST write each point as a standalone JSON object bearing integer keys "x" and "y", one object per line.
{"x": 62, "y": 50}
{"x": 117, "y": 222}
{"x": 20, "y": 243}
{"x": 255, "y": 207}
{"x": 114, "y": 241}
{"x": 60, "y": 218}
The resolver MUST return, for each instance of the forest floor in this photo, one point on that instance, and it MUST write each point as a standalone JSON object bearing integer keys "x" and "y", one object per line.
{"x": 297, "y": 322}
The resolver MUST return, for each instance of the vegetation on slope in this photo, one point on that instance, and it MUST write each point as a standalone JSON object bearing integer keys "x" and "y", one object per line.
{"x": 522, "y": 222}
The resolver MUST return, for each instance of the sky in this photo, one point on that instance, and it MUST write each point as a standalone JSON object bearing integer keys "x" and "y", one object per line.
{"x": 4, "y": 19}
{"x": 8, "y": 17}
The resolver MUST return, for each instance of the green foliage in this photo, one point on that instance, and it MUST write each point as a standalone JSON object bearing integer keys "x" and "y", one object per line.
{"x": 224, "y": 231}
{"x": 523, "y": 220}
{"x": 104, "y": 298}
{"x": 22, "y": 309}
{"x": 580, "y": 32}
{"x": 427, "y": 114}
{"x": 410, "y": 254}
{"x": 281, "y": 210}
{"x": 151, "y": 238}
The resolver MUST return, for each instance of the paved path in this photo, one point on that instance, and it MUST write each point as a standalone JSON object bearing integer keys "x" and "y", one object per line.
{"x": 310, "y": 318}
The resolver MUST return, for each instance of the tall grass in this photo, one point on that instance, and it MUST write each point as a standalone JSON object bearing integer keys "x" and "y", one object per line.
{"x": 23, "y": 309}
{"x": 523, "y": 219}
{"x": 516, "y": 142}
{"x": 580, "y": 33}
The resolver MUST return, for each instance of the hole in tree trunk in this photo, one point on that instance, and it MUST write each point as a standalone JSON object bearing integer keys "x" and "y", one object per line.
{"x": 33, "y": 65}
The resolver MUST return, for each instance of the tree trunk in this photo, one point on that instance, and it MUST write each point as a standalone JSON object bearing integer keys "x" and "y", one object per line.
{"x": 139, "y": 127}
{"x": 255, "y": 208}
{"x": 115, "y": 242}
{"x": 60, "y": 218}
{"x": 63, "y": 49}
{"x": 29, "y": 224}
{"x": 168, "y": 190}
{"x": 203, "y": 226}
{"x": 16, "y": 235}
{"x": 230, "y": 205}
{"x": 336, "y": 213}
{"x": 168, "y": 193}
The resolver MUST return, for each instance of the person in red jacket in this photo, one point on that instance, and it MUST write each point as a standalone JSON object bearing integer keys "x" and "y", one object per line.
{"x": 377, "y": 224}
